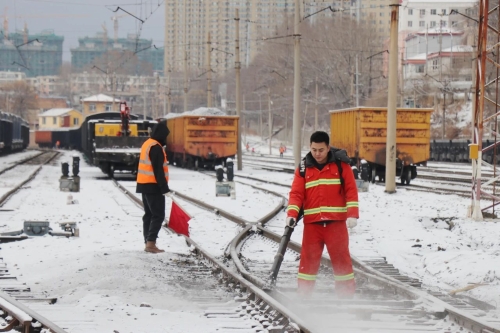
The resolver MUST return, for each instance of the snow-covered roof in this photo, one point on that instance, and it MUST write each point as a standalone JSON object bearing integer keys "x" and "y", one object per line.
{"x": 458, "y": 48}
{"x": 56, "y": 112}
{"x": 435, "y": 31}
{"x": 100, "y": 98}
{"x": 198, "y": 112}
{"x": 420, "y": 56}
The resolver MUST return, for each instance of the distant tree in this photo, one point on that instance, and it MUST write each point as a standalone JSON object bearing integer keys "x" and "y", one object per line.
{"x": 18, "y": 98}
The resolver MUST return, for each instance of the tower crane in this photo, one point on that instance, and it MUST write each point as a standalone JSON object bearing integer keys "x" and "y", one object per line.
{"x": 115, "y": 24}
{"x": 6, "y": 20}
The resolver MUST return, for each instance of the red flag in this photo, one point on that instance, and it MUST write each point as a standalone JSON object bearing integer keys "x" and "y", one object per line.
{"x": 178, "y": 220}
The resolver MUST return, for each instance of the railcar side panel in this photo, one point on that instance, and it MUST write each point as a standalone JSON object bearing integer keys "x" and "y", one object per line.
{"x": 205, "y": 140}
{"x": 363, "y": 131}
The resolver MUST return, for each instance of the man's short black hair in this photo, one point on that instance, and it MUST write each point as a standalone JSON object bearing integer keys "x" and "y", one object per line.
{"x": 320, "y": 136}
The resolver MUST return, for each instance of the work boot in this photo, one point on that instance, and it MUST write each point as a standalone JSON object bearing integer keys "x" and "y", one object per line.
{"x": 151, "y": 247}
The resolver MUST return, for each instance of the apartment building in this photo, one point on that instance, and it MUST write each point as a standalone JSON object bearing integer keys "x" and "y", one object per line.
{"x": 188, "y": 23}
{"x": 417, "y": 15}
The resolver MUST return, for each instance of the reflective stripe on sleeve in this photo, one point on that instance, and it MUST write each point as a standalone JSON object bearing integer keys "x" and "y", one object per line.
{"x": 293, "y": 207}
{"x": 352, "y": 204}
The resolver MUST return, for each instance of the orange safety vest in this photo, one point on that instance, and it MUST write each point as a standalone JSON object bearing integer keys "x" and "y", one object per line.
{"x": 145, "y": 172}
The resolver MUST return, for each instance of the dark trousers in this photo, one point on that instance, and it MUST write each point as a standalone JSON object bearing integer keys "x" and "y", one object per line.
{"x": 154, "y": 214}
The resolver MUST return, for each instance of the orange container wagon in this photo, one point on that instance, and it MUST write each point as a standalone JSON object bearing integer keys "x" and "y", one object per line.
{"x": 362, "y": 131}
{"x": 201, "y": 140}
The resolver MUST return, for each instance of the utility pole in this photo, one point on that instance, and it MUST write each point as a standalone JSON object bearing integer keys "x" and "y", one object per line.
{"x": 169, "y": 91}
{"x": 157, "y": 97}
{"x": 444, "y": 112}
{"x": 316, "y": 109}
{"x": 237, "y": 66}
{"x": 185, "y": 82}
{"x": 113, "y": 79}
{"x": 296, "y": 88}
{"x": 402, "y": 89}
{"x": 270, "y": 120}
{"x": 390, "y": 161}
{"x": 185, "y": 60}
{"x": 144, "y": 105}
{"x": 357, "y": 83}
{"x": 209, "y": 73}
{"x": 426, "y": 49}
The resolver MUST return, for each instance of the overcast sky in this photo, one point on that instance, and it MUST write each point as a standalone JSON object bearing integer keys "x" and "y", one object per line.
{"x": 79, "y": 18}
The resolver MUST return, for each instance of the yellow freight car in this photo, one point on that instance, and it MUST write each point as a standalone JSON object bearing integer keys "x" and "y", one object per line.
{"x": 201, "y": 140}
{"x": 362, "y": 131}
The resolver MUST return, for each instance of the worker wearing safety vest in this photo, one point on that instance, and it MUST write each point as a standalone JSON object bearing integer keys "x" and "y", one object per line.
{"x": 152, "y": 182}
{"x": 325, "y": 188}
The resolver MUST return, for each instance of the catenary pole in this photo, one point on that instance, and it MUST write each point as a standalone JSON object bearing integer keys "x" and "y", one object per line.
{"x": 390, "y": 161}
{"x": 270, "y": 121}
{"x": 209, "y": 73}
{"x": 237, "y": 66}
{"x": 296, "y": 88}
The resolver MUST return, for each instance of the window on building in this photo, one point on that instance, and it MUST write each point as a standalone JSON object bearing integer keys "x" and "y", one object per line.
{"x": 43, "y": 121}
{"x": 410, "y": 11}
{"x": 422, "y": 12}
{"x": 419, "y": 68}
{"x": 453, "y": 23}
{"x": 443, "y": 11}
{"x": 76, "y": 121}
{"x": 434, "y": 64}
{"x": 433, "y": 24}
{"x": 433, "y": 12}
{"x": 410, "y": 23}
{"x": 91, "y": 107}
{"x": 54, "y": 120}
{"x": 421, "y": 24}
{"x": 108, "y": 107}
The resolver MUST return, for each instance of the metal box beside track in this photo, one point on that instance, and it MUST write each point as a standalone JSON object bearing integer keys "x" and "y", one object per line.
{"x": 201, "y": 139}
{"x": 362, "y": 132}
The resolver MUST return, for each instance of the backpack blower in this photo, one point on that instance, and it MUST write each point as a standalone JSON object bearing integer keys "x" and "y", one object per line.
{"x": 280, "y": 254}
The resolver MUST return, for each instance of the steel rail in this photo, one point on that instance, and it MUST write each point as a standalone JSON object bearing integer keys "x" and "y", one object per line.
{"x": 274, "y": 299}
{"x": 21, "y": 162}
{"x": 256, "y": 292}
{"x": 9, "y": 193}
{"x": 23, "y": 315}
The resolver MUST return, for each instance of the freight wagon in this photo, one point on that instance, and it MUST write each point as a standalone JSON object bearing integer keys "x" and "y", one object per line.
{"x": 14, "y": 133}
{"x": 47, "y": 138}
{"x": 201, "y": 140}
{"x": 362, "y": 132}
{"x": 105, "y": 147}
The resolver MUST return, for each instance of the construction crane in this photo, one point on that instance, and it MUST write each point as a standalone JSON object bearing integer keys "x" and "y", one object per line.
{"x": 105, "y": 36}
{"x": 115, "y": 24}
{"x": 6, "y": 19}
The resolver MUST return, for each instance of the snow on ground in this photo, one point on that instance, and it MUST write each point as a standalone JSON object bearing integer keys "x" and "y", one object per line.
{"x": 103, "y": 276}
{"x": 7, "y": 160}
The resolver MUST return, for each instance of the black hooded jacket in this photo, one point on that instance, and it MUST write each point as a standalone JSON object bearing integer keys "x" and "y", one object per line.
{"x": 159, "y": 133}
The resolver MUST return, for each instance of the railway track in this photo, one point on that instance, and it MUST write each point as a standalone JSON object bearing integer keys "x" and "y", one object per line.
{"x": 386, "y": 300}
{"x": 15, "y": 315}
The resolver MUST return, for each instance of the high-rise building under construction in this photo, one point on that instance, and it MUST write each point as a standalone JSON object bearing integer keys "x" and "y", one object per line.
{"x": 35, "y": 55}
{"x": 92, "y": 51}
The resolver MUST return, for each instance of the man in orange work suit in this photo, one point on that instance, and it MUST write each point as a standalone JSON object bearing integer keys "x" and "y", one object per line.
{"x": 325, "y": 188}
